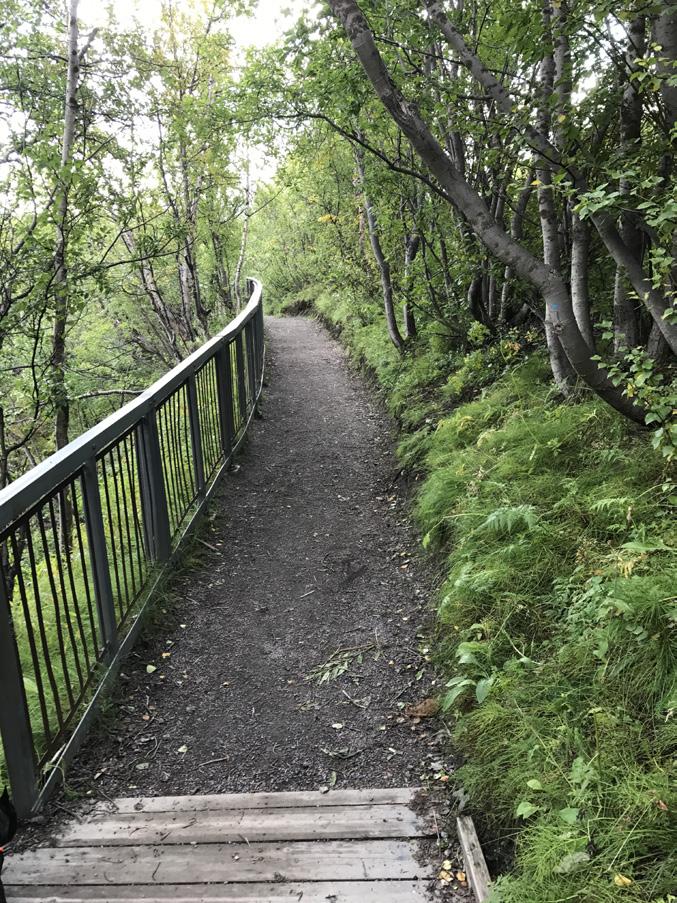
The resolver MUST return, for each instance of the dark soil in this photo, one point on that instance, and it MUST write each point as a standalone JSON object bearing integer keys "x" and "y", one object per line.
{"x": 308, "y": 554}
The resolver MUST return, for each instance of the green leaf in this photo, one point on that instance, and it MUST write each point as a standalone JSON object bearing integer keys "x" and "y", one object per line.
{"x": 568, "y": 815}
{"x": 482, "y": 688}
{"x": 535, "y": 784}
{"x": 526, "y": 809}
{"x": 571, "y": 863}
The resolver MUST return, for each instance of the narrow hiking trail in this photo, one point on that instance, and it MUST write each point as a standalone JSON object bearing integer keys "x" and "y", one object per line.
{"x": 308, "y": 558}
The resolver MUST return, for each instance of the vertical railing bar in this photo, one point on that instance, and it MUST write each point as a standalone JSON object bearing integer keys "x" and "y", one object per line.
{"x": 71, "y": 575}
{"x": 85, "y": 573}
{"x": 62, "y": 583}
{"x": 30, "y": 632}
{"x": 125, "y": 511}
{"x": 138, "y": 531}
{"x": 166, "y": 454}
{"x": 196, "y": 436}
{"x": 183, "y": 490}
{"x": 186, "y": 443}
{"x": 224, "y": 388}
{"x": 249, "y": 339}
{"x": 98, "y": 557}
{"x": 151, "y": 479}
{"x": 111, "y": 535}
{"x": 15, "y": 724}
{"x": 120, "y": 532}
{"x": 37, "y": 599}
{"x": 241, "y": 388}
{"x": 57, "y": 612}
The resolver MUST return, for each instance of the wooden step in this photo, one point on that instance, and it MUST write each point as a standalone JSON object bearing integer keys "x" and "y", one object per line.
{"x": 280, "y": 892}
{"x": 354, "y": 846}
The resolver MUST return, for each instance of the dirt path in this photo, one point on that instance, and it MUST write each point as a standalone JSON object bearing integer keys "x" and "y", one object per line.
{"x": 308, "y": 552}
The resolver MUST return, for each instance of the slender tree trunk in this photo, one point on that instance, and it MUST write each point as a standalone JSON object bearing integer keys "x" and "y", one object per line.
{"x": 516, "y": 230}
{"x": 562, "y": 370}
{"x": 379, "y": 257}
{"x": 412, "y": 244}
{"x": 60, "y": 281}
{"x": 580, "y": 296}
{"x": 237, "y": 278}
{"x": 626, "y": 318}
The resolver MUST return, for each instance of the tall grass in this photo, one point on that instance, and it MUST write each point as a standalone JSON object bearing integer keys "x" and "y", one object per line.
{"x": 557, "y": 620}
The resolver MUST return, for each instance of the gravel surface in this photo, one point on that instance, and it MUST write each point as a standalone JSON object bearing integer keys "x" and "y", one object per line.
{"x": 309, "y": 568}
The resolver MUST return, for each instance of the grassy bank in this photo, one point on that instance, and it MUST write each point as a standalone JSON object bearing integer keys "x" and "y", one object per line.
{"x": 556, "y": 628}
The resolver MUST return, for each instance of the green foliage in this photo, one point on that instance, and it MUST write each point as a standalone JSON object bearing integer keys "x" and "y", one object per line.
{"x": 556, "y": 631}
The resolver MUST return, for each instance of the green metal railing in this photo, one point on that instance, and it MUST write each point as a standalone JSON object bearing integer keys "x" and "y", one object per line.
{"x": 86, "y": 536}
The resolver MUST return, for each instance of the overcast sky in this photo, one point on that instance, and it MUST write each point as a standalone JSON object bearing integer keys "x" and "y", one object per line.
{"x": 269, "y": 21}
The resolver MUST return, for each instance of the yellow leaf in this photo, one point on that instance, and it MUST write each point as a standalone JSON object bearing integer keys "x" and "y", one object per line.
{"x": 446, "y": 865}
{"x": 622, "y": 881}
{"x": 561, "y": 118}
{"x": 536, "y": 183}
{"x": 445, "y": 876}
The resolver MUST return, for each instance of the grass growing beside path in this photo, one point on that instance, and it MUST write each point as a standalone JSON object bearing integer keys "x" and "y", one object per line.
{"x": 556, "y": 628}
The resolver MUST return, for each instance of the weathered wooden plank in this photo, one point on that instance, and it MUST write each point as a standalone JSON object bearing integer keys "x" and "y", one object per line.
{"x": 473, "y": 857}
{"x": 232, "y": 825}
{"x": 338, "y": 860}
{"x": 282, "y": 799}
{"x": 278, "y": 892}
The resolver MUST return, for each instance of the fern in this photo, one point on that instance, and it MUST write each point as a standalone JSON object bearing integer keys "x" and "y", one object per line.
{"x": 509, "y": 519}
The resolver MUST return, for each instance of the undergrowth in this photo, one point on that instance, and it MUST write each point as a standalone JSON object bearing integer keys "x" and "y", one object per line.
{"x": 556, "y": 629}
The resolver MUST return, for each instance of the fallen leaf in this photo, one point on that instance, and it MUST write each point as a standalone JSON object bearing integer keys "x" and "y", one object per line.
{"x": 166, "y": 654}
{"x": 447, "y": 865}
{"x": 445, "y": 876}
{"x": 622, "y": 881}
{"x": 151, "y": 668}
{"x": 460, "y": 876}
{"x": 182, "y": 749}
{"x": 337, "y": 725}
{"x": 426, "y": 708}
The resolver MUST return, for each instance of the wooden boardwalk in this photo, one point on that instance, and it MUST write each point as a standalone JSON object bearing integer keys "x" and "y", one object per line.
{"x": 349, "y": 846}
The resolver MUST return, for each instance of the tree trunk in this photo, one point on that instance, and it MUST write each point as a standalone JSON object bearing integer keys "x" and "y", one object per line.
{"x": 470, "y": 204}
{"x": 237, "y": 278}
{"x": 562, "y": 371}
{"x": 379, "y": 257}
{"x": 626, "y": 319}
{"x": 412, "y": 244}
{"x": 580, "y": 297}
{"x": 60, "y": 281}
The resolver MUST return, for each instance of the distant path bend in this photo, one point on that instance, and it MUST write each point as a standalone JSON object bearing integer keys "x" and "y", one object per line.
{"x": 309, "y": 552}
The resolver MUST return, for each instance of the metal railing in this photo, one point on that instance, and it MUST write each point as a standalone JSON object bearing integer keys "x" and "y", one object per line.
{"x": 86, "y": 536}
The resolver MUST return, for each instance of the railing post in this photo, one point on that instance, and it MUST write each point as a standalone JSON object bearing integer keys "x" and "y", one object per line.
{"x": 196, "y": 436}
{"x": 224, "y": 382}
{"x": 241, "y": 388}
{"x": 15, "y": 725}
{"x": 153, "y": 495}
{"x": 98, "y": 554}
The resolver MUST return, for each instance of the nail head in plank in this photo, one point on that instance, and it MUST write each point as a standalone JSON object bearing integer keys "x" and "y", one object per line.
{"x": 475, "y": 864}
